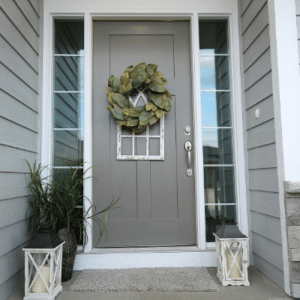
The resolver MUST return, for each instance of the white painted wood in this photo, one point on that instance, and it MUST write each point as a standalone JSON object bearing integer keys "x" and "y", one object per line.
{"x": 237, "y": 124}
{"x": 88, "y": 133}
{"x": 145, "y": 260}
{"x": 285, "y": 62}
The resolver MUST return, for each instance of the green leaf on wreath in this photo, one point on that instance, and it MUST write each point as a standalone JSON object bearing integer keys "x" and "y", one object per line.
{"x": 116, "y": 85}
{"x": 150, "y": 69}
{"x": 157, "y": 75}
{"x": 108, "y": 90}
{"x": 110, "y": 100}
{"x": 157, "y": 99}
{"x": 119, "y": 122}
{"x": 131, "y": 122}
{"x": 153, "y": 120}
{"x": 138, "y": 78}
{"x": 133, "y": 112}
{"x": 111, "y": 80}
{"x": 150, "y": 106}
{"x": 124, "y": 78}
{"x": 120, "y": 100}
{"x": 129, "y": 69}
{"x": 155, "y": 87}
{"x": 139, "y": 129}
{"x": 145, "y": 118}
{"x": 168, "y": 95}
{"x": 159, "y": 113}
{"x": 117, "y": 112}
{"x": 167, "y": 105}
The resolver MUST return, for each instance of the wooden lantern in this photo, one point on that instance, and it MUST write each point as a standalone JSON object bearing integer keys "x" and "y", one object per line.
{"x": 43, "y": 264}
{"x": 232, "y": 255}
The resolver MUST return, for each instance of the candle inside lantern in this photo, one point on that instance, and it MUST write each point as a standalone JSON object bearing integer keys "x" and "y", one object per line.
{"x": 235, "y": 271}
{"x": 39, "y": 286}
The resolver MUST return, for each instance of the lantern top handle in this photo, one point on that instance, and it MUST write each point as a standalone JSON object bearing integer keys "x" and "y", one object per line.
{"x": 229, "y": 230}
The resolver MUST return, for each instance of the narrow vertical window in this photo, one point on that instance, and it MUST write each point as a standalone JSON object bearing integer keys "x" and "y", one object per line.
{"x": 68, "y": 96}
{"x": 216, "y": 125}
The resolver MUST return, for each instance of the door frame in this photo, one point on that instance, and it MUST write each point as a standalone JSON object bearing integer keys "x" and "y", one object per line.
{"x": 157, "y": 10}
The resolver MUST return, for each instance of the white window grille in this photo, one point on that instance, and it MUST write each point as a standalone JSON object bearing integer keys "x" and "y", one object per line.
{"x": 146, "y": 135}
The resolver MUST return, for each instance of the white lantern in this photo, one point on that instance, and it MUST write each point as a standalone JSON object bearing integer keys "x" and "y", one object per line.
{"x": 232, "y": 255}
{"x": 43, "y": 265}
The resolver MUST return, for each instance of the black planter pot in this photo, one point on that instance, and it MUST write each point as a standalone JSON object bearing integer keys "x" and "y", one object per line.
{"x": 69, "y": 252}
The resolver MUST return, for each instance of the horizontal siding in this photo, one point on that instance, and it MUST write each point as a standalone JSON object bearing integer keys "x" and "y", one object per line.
{"x": 19, "y": 84}
{"x": 15, "y": 87}
{"x": 262, "y": 157}
{"x": 259, "y": 23}
{"x": 15, "y": 111}
{"x": 266, "y": 226}
{"x": 10, "y": 285}
{"x": 266, "y": 113}
{"x": 261, "y": 135}
{"x": 260, "y": 140}
{"x": 11, "y": 263}
{"x": 13, "y": 236}
{"x": 17, "y": 41}
{"x": 263, "y": 180}
{"x": 269, "y": 269}
{"x": 21, "y": 23}
{"x": 18, "y": 137}
{"x": 261, "y": 245}
{"x": 260, "y": 91}
{"x": 13, "y": 211}
{"x": 13, "y": 160}
{"x": 12, "y": 60}
{"x": 13, "y": 185}
{"x": 265, "y": 203}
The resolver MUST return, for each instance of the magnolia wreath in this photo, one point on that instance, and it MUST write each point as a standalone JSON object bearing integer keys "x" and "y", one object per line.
{"x": 141, "y": 78}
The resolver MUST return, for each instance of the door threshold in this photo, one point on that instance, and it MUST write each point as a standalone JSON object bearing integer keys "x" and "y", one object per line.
{"x": 175, "y": 249}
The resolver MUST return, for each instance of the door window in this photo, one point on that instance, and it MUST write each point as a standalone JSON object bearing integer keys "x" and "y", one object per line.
{"x": 216, "y": 125}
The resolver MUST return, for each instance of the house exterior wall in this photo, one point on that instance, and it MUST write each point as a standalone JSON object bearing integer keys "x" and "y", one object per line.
{"x": 19, "y": 85}
{"x": 260, "y": 140}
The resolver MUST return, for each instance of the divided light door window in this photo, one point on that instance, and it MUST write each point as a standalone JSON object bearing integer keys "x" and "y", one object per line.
{"x": 68, "y": 60}
{"x": 219, "y": 186}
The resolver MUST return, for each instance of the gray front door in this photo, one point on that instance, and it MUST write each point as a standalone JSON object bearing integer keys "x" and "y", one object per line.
{"x": 158, "y": 198}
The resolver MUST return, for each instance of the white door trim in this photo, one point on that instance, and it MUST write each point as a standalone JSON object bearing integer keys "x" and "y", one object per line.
{"x": 151, "y": 10}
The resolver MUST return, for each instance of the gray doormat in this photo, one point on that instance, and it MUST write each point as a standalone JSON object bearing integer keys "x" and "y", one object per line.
{"x": 145, "y": 279}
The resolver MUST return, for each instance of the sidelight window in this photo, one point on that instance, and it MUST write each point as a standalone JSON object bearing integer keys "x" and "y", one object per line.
{"x": 218, "y": 161}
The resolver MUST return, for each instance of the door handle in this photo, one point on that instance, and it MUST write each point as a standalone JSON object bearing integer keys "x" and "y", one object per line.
{"x": 188, "y": 147}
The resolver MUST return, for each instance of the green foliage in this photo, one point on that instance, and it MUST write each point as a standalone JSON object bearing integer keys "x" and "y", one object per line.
{"x": 144, "y": 78}
{"x": 57, "y": 201}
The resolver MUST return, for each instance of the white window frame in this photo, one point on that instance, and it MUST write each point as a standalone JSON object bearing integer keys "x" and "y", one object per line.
{"x": 153, "y": 10}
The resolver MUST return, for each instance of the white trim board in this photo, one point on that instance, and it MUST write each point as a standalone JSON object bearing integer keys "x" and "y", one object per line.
{"x": 145, "y": 260}
{"x": 153, "y": 10}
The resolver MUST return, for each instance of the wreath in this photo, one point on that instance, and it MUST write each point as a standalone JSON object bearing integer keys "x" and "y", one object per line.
{"x": 141, "y": 78}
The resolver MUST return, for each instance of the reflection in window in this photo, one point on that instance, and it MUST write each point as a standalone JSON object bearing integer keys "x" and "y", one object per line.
{"x": 216, "y": 125}
{"x": 68, "y": 99}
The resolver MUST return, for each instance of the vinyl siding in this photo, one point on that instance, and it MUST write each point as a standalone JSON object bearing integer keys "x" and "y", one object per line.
{"x": 260, "y": 140}
{"x": 19, "y": 85}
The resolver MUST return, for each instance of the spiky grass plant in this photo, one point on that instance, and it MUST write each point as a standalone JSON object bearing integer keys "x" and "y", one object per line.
{"x": 57, "y": 201}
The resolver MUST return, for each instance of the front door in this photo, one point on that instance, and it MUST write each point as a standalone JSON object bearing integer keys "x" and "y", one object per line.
{"x": 157, "y": 196}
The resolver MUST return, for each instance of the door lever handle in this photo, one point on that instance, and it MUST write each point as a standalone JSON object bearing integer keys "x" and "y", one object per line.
{"x": 188, "y": 147}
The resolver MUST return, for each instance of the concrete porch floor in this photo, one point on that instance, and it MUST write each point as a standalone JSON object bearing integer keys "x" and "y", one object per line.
{"x": 262, "y": 288}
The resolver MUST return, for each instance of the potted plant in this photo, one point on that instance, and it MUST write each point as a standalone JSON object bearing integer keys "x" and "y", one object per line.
{"x": 57, "y": 202}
